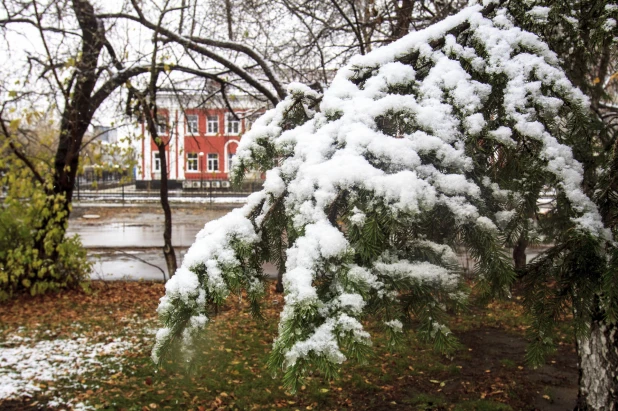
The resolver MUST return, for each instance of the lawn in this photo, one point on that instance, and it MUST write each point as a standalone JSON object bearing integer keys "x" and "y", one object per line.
{"x": 92, "y": 351}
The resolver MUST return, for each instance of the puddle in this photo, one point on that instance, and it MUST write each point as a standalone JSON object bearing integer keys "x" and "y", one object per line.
{"x": 127, "y": 235}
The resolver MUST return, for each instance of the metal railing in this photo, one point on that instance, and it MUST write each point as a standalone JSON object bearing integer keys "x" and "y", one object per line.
{"x": 127, "y": 189}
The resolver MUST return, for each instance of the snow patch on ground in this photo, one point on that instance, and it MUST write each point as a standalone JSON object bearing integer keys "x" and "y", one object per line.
{"x": 29, "y": 367}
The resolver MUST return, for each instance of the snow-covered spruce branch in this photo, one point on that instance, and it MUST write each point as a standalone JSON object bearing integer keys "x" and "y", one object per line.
{"x": 424, "y": 152}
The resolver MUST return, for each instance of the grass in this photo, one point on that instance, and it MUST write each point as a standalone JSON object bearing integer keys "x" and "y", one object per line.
{"x": 229, "y": 371}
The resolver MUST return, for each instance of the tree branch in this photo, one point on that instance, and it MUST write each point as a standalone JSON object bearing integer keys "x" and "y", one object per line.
{"x": 191, "y": 45}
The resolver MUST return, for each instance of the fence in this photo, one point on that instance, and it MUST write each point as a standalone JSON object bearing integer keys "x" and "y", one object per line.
{"x": 127, "y": 189}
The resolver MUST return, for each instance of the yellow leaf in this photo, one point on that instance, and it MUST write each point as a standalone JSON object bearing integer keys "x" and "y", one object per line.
{"x": 14, "y": 124}
{"x": 596, "y": 80}
{"x": 323, "y": 390}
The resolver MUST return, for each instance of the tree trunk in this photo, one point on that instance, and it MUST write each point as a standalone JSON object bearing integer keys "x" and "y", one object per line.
{"x": 519, "y": 252}
{"x": 403, "y": 13}
{"x": 279, "y": 286}
{"x": 168, "y": 248}
{"x": 74, "y": 123}
{"x": 598, "y": 368}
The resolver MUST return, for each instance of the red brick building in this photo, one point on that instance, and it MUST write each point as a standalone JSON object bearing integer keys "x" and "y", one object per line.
{"x": 201, "y": 142}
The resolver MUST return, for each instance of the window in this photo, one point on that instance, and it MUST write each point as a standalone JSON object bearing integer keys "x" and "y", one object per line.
{"x": 161, "y": 125}
{"x": 213, "y": 162}
{"x": 156, "y": 164}
{"x": 230, "y": 160}
{"x": 212, "y": 124}
{"x": 233, "y": 124}
{"x": 192, "y": 164}
{"x": 192, "y": 127}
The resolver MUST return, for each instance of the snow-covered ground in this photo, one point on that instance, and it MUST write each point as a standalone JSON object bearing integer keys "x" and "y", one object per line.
{"x": 40, "y": 365}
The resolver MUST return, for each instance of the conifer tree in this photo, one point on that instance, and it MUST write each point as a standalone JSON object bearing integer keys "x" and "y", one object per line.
{"x": 445, "y": 138}
{"x": 584, "y": 34}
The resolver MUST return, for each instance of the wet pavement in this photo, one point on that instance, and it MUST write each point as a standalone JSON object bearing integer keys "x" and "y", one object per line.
{"x": 139, "y": 227}
{"x": 127, "y": 235}
{"x": 125, "y": 243}
{"x": 113, "y": 265}
{"x": 139, "y": 264}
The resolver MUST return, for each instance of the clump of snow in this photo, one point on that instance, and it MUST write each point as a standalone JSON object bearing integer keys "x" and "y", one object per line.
{"x": 395, "y": 325}
{"x": 571, "y": 20}
{"x": 504, "y": 217}
{"x": 358, "y": 217}
{"x": 539, "y": 13}
{"x": 609, "y": 24}
{"x": 423, "y": 272}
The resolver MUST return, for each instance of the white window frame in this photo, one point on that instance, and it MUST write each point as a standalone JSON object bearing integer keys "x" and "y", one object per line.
{"x": 161, "y": 125}
{"x": 192, "y": 120}
{"x": 229, "y": 120}
{"x": 211, "y": 120}
{"x": 193, "y": 159}
{"x": 156, "y": 162}
{"x": 230, "y": 161}
{"x": 212, "y": 160}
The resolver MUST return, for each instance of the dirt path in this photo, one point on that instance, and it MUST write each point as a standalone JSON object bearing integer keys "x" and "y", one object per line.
{"x": 496, "y": 360}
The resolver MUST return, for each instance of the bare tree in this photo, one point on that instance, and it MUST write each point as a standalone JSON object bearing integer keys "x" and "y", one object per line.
{"x": 79, "y": 63}
{"x": 71, "y": 69}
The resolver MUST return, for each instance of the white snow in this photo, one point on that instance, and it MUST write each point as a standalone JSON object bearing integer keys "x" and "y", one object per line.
{"x": 421, "y": 271}
{"x": 395, "y": 325}
{"x": 539, "y": 13}
{"x": 609, "y": 24}
{"x": 25, "y": 364}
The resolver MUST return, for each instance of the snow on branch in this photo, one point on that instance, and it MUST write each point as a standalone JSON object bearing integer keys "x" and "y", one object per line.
{"x": 403, "y": 158}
